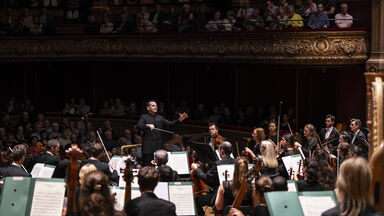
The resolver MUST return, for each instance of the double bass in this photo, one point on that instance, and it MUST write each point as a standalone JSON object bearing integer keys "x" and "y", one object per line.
{"x": 74, "y": 153}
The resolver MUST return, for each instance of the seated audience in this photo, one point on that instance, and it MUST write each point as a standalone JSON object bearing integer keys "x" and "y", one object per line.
{"x": 309, "y": 8}
{"x": 255, "y": 21}
{"x": 294, "y": 19}
{"x": 343, "y": 19}
{"x": 238, "y": 26}
{"x": 228, "y": 23}
{"x": 318, "y": 19}
{"x": 248, "y": 9}
{"x": 92, "y": 27}
{"x": 216, "y": 23}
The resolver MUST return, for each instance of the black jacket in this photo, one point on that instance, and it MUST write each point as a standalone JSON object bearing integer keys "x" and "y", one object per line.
{"x": 14, "y": 170}
{"x": 113, "y": 176}
{"x": 148, "y": 204}
{"x": 152, "y": 140}
{"x": 61, "y": 165}
{"x": 334, "y": 136}
{"x": 211, "y": 178}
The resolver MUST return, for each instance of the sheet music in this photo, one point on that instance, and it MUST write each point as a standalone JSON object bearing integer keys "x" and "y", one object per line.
{"x": 291, "y": 186}
{"x": 36, "y": 169}
{"x": 47, "y": 171}
{"x": 292, "y": 161}
{"x": 218, "y": 154}
{"x": 116, "y": 161}
{"x": 315, "y": 205}
{"x": 135, "y": 192}
{"x": 161, "y": 190}
{"x": 179, "y": 161}
{"x": 119, "y": 197}
{"x": 48, "y": 198}
{"x": 221, "y": 172}
{"x": 182, "y": 196}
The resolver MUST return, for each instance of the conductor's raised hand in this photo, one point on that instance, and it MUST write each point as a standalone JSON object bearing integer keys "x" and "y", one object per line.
{"x": 182, "y": 116}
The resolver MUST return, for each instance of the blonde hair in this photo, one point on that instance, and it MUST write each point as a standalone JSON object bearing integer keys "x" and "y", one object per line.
{"x": 239, "y": 174}
{"x": 354, "y": 186}
{"x": 269, "y": 155}
{"x": 87, "y": 168}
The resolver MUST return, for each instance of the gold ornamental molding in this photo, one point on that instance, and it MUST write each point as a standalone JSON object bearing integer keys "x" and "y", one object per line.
{"x": 305, "y": 48}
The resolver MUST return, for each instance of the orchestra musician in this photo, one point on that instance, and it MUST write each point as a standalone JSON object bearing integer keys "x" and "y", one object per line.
{"x": 214, "y": 138}
{"x": 312, "y": 143}
{"x": 272, "y": 135}
{"x": 330, "y": 134}
{"x": 211, "y": 178}
{"x": 258, "y": 135}
{"x": 152, "y": 139}
{"x": 15, "y": 169}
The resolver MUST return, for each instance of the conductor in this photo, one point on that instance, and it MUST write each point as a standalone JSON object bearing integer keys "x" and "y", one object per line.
{"x": 152, "y": 124}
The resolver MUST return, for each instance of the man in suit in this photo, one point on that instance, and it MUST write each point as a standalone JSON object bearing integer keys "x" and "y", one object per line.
{"x": 214, "y": 136}
{"x": 96, "y": 153}
{"x": 152, "y": 140}
{"x": 50, "y": 157}
{"x": 148, "y": 203}
{"x": 211, "y": 178}
{"x": 161, "y": 158}
{"x": 330, "y": 133}
{"x": 355, "y": 125}
{"x": 15, "y": 169}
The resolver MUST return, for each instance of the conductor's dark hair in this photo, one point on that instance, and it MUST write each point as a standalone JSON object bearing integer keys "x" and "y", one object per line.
{"x": 332, "y": 117}
{"x": 227, "y": 147}
{"x": 166, "y": 173}
{"x": 19, "y": 152}
{"x": 96, "y": 150}
{"x": 213, "y": 124}
{"x": 312, "y": 170}
{"x": 161, "y": 157}
{"x": 346, "y": 137}
{"x": 149, "y": 101}
{"x": 357, "y": 122}
{"x": 95, "y": 196}
{"x": 148, "y": 178}
{"x": 279, "y": 184}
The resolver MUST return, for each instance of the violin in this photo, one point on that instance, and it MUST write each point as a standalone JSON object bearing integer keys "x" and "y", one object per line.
{"x": 300, "y": 177}
{"x": 73, "y": 153}
{"x": 217, "y": 141}
{"x": 246, "y": 154}
{"x": 199, "y": 187}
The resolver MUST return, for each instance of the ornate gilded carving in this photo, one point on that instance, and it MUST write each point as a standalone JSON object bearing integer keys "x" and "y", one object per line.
{"x": 350, "y": 47}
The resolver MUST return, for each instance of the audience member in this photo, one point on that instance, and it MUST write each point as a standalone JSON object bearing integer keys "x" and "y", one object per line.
{"x": 318, "y": 19}
{"x": 343, "y": 19}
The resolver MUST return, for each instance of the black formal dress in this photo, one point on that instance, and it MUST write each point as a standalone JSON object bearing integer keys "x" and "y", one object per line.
{"x": 304, "y": 185}
{"x": 14, "y": 170}
{"x": 149, "y": 204}
{"x": 113, "y": 176}
{"x": 152, "y": 140}
{"x": 61, "y": 165}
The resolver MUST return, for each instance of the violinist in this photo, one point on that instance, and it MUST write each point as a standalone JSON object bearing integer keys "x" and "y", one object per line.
{"x": 229, "y": 190}
{"x": 343, "y": 150}
{"x": 272, "y": 135}
{"x": 257, "y": 136}
{"x": 15, "y": 169}
{"x": 327, "y": 176}
{"x": 330, "y": 133}
{"x": 214, "y": 138}
{"x": 262, "y": 185}
{"x": 211, "y": 177}
{"x": 312, "y": 143}
{"x": 288, "y": 144}
{"x": 161, "y": 158}
{"x": 270, "y": 163}
{"x": 311, "y": 176}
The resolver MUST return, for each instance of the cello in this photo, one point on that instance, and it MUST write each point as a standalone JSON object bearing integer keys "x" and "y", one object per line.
{"x": 73, "y": 153}
{"x": 128, "y": 178}
{"x": 199, "y": 187}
